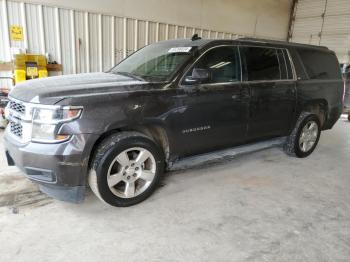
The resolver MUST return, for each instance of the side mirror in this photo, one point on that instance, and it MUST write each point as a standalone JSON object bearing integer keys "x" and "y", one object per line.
{"x": 199, "y": 75}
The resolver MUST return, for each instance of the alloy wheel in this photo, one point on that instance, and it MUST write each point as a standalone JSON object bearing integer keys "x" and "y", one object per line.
{"x": 131, "y": 172}
{"x": 308, "y": 136}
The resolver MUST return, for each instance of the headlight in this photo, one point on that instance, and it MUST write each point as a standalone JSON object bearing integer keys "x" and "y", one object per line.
{"x": 46, "y": 123}
{"x": 55, "y": 115}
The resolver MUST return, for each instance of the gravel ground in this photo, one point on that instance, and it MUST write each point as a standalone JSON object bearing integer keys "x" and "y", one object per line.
{"x": 265, "y": 206}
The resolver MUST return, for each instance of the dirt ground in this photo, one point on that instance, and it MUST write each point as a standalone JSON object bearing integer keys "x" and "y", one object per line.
{"x": 265, "y": 206}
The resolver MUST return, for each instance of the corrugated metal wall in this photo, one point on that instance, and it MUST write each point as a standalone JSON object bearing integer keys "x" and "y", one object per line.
{"x": 83, "y": 41}
{"x": 324, "y": 22}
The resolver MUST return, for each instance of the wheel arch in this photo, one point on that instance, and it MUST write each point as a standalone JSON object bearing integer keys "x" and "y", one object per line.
{"x": 156, "y": 133}
{"x": 319, "y": 107}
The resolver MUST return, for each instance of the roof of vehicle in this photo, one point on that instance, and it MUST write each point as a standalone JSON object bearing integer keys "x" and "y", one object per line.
{"x": 279, "y": 43}
{"x": 267, "y": 42}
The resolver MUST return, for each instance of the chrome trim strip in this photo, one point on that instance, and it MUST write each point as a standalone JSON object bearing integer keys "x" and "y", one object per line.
{"x": 269, "y": 81}
{"x": 34, "y": 104}
{"x": 55, "y": 122}
{"x": 295, "y": 77}
{"x": 45, "y": 141}
{"x": 285, "y": 64}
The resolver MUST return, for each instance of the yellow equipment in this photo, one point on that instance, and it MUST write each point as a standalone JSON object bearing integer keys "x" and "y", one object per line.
{"x": 29, "y": 67}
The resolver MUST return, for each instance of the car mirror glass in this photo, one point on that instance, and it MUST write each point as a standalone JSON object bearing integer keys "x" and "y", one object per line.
{"x": 199, "y": 75}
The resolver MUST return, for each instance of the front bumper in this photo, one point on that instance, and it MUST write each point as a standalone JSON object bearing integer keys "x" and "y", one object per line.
{"x": 60, "y": 169}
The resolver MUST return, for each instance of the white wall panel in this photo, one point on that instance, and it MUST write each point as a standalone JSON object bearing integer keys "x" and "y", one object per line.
{"x": 130, "y": 36}
{"x": 264, "y": 18}
{"x": 4, "y": 36}
{"x": 306, "y": 30}
{"x": 50, "y": 34}
{"x": 205, "y": 34}
{"x": 119, "y": 31}
{"x": 213, "y": 34}
{"x": 33, "y": 28}
{"x": 171, "y": 32}
{"x": 181, "y": 32}
{"x": 310, "y": 8}
{"x": 338, "y": 7}
{"x": 84, "y": 41}
{"x": 227, "y": 35}
{"x": 220, "y": 35}
{"x": 152, "y": 34}
{"x": 15, "y": 16}
{"x": 66, "y": 41}
{"x": 81, "y": 42}
{"x": 162, "y": 32}
{"x": 94, "y": 42}
{"x": 197, "y": 31}
{"x": 189, "y": 31}
{"x": 141, "y": 33}
{"x": 107, "y": 48}
{"x": 324, "y": 22}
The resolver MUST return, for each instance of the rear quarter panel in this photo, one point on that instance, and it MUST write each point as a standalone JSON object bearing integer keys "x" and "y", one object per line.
{"x": 328, "y": 92}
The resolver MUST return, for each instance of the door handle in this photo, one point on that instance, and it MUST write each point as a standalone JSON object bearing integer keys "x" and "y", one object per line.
{"x": 290, "y": 91}
{"x": 244, "y": 92}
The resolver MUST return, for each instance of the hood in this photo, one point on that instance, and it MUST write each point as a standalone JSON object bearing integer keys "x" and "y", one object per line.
{"x": 53, "y": 89}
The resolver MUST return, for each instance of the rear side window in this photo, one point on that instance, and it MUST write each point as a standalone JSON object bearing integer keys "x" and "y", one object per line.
{"x": 261, "y": 63}
{"x": 320, "y": 65}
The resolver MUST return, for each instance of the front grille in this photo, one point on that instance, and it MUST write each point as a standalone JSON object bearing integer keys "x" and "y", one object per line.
{"x": 20, "y": 120}
{"x": 16, "y": 129}
{"x": 17, "y": 107}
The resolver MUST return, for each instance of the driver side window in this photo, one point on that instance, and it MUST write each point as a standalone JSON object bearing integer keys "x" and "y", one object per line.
{"x": 218, "y": 65}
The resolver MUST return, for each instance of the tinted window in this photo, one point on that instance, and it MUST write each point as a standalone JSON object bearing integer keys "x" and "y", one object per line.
{"x": 222, "y": 63}
{"x": 320, "y": 65}
{"x": 261, "y": 63}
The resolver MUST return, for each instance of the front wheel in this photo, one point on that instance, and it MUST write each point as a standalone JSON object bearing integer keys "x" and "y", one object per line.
{"x": 126, "y": 169}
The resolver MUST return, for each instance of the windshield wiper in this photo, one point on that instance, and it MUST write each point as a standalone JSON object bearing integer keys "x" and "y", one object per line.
{"x": 137, "y": 77}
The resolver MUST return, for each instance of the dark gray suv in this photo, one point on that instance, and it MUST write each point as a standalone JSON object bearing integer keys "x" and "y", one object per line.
{"x": 118, "y": 131}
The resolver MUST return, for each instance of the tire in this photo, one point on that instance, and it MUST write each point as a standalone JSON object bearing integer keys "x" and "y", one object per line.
{"x": 120, "y": 157}
{"x": 295, "y": 144}
{"x": 348, "y": 116}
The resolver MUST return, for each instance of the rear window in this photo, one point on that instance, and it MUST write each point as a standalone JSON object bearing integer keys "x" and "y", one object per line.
{"x": 320, "y": 65}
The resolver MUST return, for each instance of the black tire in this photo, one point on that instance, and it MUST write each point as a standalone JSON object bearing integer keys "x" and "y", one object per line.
{"x": 292, "y": 146}
{"x": 107, "y": 151}
{"x": 348, "y": 116}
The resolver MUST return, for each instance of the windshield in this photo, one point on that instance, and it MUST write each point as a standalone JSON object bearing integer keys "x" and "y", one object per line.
{"x": 157, "y": 62}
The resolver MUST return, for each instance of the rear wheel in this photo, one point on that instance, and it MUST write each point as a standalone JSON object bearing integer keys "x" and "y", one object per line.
{"x": 126, "y": 169}
{"x": 305, "y": 136}
{"x": 308, "y": 137}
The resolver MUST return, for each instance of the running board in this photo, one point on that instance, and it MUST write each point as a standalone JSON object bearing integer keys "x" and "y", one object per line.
{"x": 224, "y": 155}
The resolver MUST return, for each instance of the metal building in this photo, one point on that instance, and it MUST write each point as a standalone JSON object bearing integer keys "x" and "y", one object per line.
{"x": 83, "y": 41}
